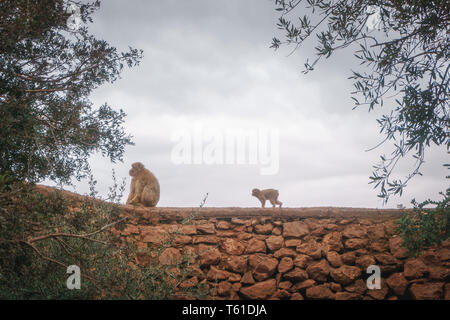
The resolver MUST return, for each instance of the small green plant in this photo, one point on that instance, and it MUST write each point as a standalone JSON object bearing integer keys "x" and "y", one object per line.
{"x": 427, "y": 226}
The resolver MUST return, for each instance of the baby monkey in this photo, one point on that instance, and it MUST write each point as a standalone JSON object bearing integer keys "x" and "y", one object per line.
{"x": 267, "y": 194}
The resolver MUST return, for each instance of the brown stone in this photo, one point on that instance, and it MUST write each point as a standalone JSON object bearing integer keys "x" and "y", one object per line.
{"x": 262, "y": 263}
{"x": 356, "y": 243}
{"x": 255, "y": 245}
{"x": 348, "y": 296}
{"x": 130, "y": 229}
{"x": 376, "y": 232}
{"x": 155, "y": 235}
{"x": 296, "y": 275}
{"x": 296, "y": 296}
{"x": 285, "y": 285}
{"x": 378, "y": 246}
{"x": 334, "y": 259}
{"x": 398, "y": 283}
{"x": 234, "y": 277}
{"x": 331, "y": 226}
{"x": 236, "y": 263}
{"x": 170, "y": 256}
{"x": 277, "y": 231}
{"x": 247, "y": 278}
{"x": 284, "y": 252}
{"x": 427, "y": 291}
{"x": 335, "y": 287}
{"x": 320, "y": 231}
{"x": 207, "y": 228}
{"x": 345, "y": 274}
{"x": 355, "y": 231}
{"x": 320, "y": 292}
{"x": 208, "y": 255}
{"x": 310, "y": 248}
{"x": 415, "y": 269}
{"x": 333, "y": 242}
{"x": 378, "y": 294}
{"x": 295, "y": 229}
{"x": 439, "y": 273}
{"x": 260, "y": 290}
{"x": 223, "y": 225}
{"x": 395, "y": 246}
{"x": 359, "y": 287}
{"x": 447, "y": 291}
{"x": 285, "y": 264}
{"x": 280, "y": 294}
{"x": 349, "y": 257}
{"x": 386, "y": 258}
{"x": 301, "y": 286}
{"x": 240, "y": 221}
{"x": 182, "y": 240}
{"x": 189, "y": 283}
{"x": 292, "y": 242}
{"x": 302, "y": 261}
{"x": 274, "y": 242}
{"x": 365, "y": 261}
{"x": 233, "y": 246}
{"x": 224, "y": 288}
{"x": 215, "y": 274}
{"x": 430, "y": 257}
{"x": 319, "y": 271}
{"x": 205, "y": 239}
{"x": 390, "y": 227}
{"x": 244, "y": 236}
{"x": 444, "y": 254}
{"x": 188, "y": 229}
{"x": 263, "y": 228}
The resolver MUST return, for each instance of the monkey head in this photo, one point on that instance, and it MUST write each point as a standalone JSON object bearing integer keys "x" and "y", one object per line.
{"x": 136, "y": 168}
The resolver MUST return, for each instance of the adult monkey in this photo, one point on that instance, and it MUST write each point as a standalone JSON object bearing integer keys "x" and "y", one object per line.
{"x": 144, "y": 187}
{"x": 267, "y": 194}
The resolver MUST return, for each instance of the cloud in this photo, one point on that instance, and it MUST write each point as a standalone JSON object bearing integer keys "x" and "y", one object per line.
{"x": 209, "y": 63}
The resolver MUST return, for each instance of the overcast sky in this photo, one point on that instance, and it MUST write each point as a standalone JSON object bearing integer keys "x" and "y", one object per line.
{"x": 207, "y": 64}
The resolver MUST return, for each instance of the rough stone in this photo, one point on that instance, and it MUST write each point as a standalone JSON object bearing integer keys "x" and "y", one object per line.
{"x": 295, "y": 229}
{"x": 395, "y": 246}
{"x": 285, "y": 264}
{"x": 255, "y": 245}
{"x": 320, "y": 292}
{"x": 319, "y": 271}
{"x": 333, "y": 242}
{"x": 345, "y": 274}
{"x": 310, "y": 248}
{"x": 274, "y": 242}
{"x": 260, "y": 290}
{"x": 427, "y": 291}
{"x": 334, "y": 259}
{"x": 354, "y": 231}
{"x": 398, "y": 283}
{"x": 415, "y": 269}
{"x": 296, "y": 275}
{"x": 233, "y": 246}
{"x": 237, "y": 264}
{"x": 207, "y": 228}
{"x": 263, "y": 228}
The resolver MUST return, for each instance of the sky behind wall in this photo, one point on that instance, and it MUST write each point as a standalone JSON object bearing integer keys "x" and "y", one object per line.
{"x": 208, "y": 64}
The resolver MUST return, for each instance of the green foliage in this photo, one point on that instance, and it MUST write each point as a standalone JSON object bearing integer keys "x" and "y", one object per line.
{"x": 49, "y": 127}
{"x": 405, "y": 56}
{"x": 41, "y": 235}
{"x": 426, "y": 227}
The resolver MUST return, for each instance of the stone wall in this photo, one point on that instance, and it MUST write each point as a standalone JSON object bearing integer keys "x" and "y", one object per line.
{"x": 305, "y": 253}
